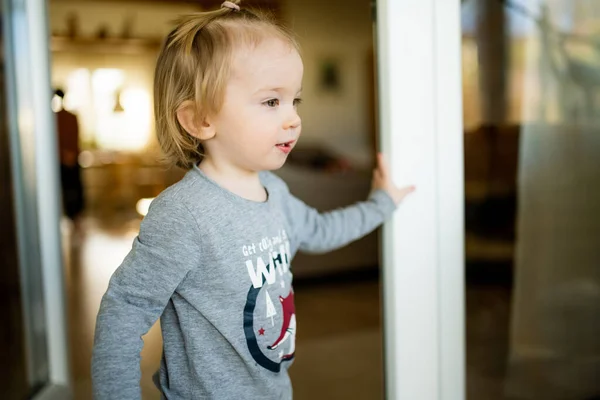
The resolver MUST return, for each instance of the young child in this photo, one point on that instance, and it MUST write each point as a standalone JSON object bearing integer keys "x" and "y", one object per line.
{"x": 213, "y": 255}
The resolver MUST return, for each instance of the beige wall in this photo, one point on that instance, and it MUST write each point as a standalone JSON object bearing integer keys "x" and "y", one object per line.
{"x": 342, "y": 30}
{"x": 149, "y": 20}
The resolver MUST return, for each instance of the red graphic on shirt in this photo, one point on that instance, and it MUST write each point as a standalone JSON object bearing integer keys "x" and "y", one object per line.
{"x": 261, "y": 332}
{"x": 288, "y": 328}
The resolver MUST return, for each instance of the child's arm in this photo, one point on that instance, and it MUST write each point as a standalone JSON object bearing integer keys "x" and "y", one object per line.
{"x": 163, "y": 253}
{"x": 322, "y": 232}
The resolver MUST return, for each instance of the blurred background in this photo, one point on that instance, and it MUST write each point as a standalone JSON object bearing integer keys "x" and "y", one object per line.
{"x": 531, "y": 74}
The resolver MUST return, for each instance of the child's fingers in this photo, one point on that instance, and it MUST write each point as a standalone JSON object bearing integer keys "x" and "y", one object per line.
{"x": 405, "y": 191}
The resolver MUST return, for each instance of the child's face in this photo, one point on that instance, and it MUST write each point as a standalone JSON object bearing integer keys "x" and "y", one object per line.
{"x": 258, "y": 124}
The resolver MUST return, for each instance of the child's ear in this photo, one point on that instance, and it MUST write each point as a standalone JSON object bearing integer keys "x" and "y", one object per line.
{"x": 188, "y": 118}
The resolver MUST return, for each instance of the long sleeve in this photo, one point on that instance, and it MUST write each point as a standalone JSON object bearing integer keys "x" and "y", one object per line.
{"x": 166, "y": 249}
{"x": 323, "y": 232}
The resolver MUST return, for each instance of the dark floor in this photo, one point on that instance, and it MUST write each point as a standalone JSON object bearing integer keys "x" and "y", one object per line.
{"x": 339, "y": 355}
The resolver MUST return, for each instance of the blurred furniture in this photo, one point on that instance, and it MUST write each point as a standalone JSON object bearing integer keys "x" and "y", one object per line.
{"x": 491, "y": 160}
{"x": 114, "y": 182}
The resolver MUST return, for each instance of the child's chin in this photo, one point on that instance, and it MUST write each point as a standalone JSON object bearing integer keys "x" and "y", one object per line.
{"x": 272, "y": 166}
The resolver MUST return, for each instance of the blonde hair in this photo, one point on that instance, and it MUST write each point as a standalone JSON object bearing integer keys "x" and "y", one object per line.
{"x": 194, "y": 64}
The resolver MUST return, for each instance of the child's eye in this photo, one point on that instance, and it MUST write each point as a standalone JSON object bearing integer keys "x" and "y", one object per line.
{"x": 297, "y": 102}
{"x": 271, "y": 103}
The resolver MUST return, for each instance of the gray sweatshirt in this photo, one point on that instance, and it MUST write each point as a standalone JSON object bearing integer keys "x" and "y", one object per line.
{"x": 215, "y": 268}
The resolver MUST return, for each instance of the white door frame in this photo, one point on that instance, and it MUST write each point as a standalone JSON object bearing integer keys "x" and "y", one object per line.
{"x": 420, "y": 111}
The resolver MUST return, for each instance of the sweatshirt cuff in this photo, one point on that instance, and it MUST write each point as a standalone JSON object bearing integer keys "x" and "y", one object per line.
{"x": 383, "y": 201}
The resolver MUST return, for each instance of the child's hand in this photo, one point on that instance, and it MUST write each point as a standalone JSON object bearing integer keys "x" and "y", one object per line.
{"x": 382, "y": 180}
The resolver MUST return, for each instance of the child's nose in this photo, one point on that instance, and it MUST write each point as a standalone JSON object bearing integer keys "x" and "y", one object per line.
{"x": 293, "y": 121}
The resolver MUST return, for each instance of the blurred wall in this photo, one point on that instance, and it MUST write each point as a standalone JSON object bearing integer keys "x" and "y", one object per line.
{"x": 148, "y": 20}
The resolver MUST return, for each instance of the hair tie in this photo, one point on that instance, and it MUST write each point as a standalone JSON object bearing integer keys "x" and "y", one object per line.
{"x": 229, "y": 4}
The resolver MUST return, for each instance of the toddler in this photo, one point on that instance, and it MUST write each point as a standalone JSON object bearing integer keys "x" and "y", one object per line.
{"x": 213, "y": 255}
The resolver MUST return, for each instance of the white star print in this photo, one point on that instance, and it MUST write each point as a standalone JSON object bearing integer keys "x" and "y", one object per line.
{"x": 281, "y": 354}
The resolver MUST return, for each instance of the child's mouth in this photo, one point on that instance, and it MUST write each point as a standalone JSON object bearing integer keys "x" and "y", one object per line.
{"x": 285, "y": 147}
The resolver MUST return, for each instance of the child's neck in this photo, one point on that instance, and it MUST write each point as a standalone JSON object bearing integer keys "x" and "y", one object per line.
{"x": 241, "y": 182}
